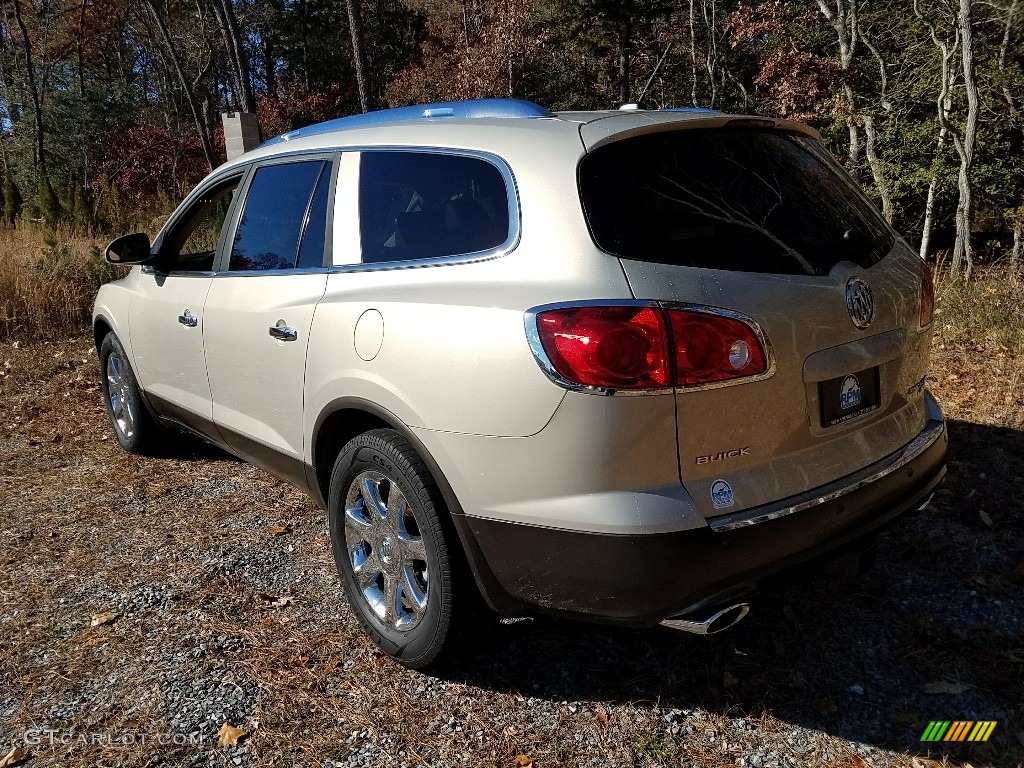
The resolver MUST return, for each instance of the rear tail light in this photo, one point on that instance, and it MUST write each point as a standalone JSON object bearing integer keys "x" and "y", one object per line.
{"x": 927, "y": 297}
{"x": 710, "y": 348}
{"x": 647, "y": 347}
{"x": 619, "y": 347}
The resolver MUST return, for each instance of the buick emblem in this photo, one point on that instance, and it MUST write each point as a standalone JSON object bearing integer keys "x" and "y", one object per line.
{"x": 860, "y": 302}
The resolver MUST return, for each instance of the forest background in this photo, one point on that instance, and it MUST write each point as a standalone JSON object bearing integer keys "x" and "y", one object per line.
{"x": 110, "y": 109}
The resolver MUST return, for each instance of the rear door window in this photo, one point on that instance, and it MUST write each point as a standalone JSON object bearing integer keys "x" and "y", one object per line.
{"x": 422, "y": 205}
{"x": 279, "y": 207}
{"x": 742, "y": 200}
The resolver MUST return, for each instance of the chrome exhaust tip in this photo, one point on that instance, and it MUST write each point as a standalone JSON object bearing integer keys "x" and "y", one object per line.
{"x": 717, "y": 622}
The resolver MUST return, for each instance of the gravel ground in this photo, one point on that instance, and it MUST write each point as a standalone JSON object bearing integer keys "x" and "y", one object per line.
{"x": 150, "y": 606}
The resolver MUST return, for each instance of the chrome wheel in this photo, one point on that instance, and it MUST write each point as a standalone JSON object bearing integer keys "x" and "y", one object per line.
{"x": 389, "y": 560}
{"x": 122, "y": 404}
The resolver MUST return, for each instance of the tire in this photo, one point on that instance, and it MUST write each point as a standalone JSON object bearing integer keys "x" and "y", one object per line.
{"x": 394, "y": 555}
{"x": 133, "y": 426}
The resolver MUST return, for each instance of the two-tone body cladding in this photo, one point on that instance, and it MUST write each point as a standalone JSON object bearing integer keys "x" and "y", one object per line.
{"x": 614, "y": 365}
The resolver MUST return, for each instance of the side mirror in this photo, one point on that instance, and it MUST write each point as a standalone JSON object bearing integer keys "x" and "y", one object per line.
{"x": 129, "y": 249}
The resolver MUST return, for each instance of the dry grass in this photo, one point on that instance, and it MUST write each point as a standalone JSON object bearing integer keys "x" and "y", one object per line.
{"x": 48, "y": 281}
{"x": 978, "y": 351}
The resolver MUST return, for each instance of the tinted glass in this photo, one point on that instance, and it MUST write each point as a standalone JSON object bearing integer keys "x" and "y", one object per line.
{"x": 311, "y": 252}
{"x": 275, "y": 211}
{"x": 417, "y": 205}
{"x": 192, "y": 243}
{"x": 736, "y": 200}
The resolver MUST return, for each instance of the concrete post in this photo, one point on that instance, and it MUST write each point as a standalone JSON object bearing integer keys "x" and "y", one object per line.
{"x": 241, "y": 132}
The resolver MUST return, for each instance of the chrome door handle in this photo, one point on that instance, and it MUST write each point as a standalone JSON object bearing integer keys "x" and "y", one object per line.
{"x": 188, "y": 319}
{"x": 282, "y": 332}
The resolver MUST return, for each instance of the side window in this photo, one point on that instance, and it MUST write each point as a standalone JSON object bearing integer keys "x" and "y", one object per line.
{"x": 418, "y": 205}
{"x": 192, "y": 243}
{"x": 277, "y": 207}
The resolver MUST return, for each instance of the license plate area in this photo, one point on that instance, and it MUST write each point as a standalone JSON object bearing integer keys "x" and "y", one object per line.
{"x": 848, "y": 396}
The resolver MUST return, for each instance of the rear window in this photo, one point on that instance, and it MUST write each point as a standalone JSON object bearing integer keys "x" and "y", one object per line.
{"x": 422, "y": 205}
{"x": 736, "y": 200}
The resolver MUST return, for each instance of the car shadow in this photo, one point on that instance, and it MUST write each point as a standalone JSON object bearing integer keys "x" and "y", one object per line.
{"x": 181, "y": 445}
{"x": 932, "y": 632}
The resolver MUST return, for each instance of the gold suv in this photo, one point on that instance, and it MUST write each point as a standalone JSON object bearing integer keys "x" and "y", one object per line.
{"x": 615, "y": 365}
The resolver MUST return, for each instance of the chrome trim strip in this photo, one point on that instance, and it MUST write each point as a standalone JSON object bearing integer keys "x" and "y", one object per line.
{"x": 907, "y": 454}
{"x": 533, "y": 338}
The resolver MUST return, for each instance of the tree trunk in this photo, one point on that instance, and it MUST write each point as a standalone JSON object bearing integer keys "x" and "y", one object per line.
{"x": 1004, "y": 48}
{"x": 228, "y": 23}
{"x": 39, "y": 153}
{"x": 624, "y": 35}
{"x": 693, "y": 61}
{"x": 187, "y": 88}
{"x": 870, "y": 144}
{"x": 943, "y": 105}
{"x": 877, "y": 168}
{"x": 355, "y": 25}
{"x": 963, "y": 256}
{"x": 711, "y": 49}
{"x": 844, "y": 22}
{"x": 1018, "y": 245}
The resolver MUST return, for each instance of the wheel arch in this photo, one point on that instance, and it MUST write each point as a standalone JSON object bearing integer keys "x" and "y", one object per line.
{"x": 345, "y": 418}
{"x": 101, "y": 326}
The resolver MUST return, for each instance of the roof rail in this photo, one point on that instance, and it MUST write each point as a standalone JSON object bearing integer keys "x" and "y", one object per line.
{"x": 693, "y": 110}
{"x": 471, "y": 108}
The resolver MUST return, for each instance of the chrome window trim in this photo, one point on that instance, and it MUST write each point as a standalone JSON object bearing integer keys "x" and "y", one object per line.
{"x": 383, "y": 266}
{"x": 541, "y": 356}
{"x": 904, "y": 456}
{"x": 512, "y": 194}
{"x": 149, "y": 269}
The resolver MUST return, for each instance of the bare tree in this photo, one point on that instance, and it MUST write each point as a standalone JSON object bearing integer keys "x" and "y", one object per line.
{"x": 232, "y": 34}
{"x": 355, "y": 25}
{"x": 188, "y": 89}
{"x": 34, "y": 94}
{"x": 963, "y": 256}
{"x": 1004, "y": 48}
{"x": 870, "y": 134}
{"x": 948, "y": 49}
{"x": 843, "y": 19}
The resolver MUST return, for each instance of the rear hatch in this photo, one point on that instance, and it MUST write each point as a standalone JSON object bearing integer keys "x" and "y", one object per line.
{"x": 764, "y": 225}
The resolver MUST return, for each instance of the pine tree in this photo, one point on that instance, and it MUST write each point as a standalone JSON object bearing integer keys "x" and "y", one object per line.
{"x": 12, "y": 199}
{"x": 49, "y": 205}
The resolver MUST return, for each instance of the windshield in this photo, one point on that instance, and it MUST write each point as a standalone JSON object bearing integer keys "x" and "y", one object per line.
{"x": 743, "y": 200}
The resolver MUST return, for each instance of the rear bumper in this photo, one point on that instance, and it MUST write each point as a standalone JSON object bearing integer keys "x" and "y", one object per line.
{"x": 640, "y": 579}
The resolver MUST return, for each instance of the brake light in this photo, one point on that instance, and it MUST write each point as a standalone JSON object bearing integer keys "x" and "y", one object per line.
{"x": 927, "y": 297}
{"x": 710, "y": 348}
{"x": 646, "y": 347}
{"x": 619, "y": 347}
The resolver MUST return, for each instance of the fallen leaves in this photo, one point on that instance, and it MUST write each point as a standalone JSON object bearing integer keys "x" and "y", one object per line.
{"x": 276, "y": 602}
{"x": 228, "y": 735}
{"x": 280, "y": 530}
{"x": 104, "y": 617}
{"x": 523, "y": 761}
{"x": 986, "y": 518}
{"x": 15, "y": 757}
